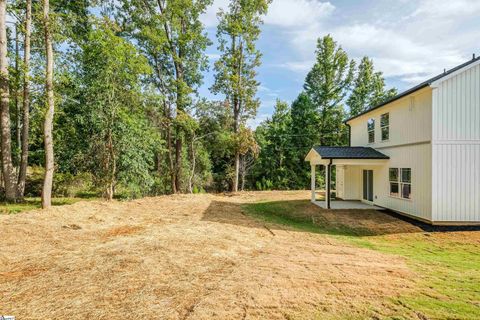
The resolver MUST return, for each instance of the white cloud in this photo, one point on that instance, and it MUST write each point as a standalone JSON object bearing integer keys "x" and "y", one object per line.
{"x": 446, "y": 9}
{"x": 297, "y": 13}
{"x": 209, "y": 18}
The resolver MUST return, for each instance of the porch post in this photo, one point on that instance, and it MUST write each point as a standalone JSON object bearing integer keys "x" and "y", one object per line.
{"x": 329, "y": 183}
{"x": 326, "y": 186}
{"x": 313, "y": 184}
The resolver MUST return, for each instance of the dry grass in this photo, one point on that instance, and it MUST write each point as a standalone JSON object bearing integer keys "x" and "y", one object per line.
{"x": 187, "y": 257}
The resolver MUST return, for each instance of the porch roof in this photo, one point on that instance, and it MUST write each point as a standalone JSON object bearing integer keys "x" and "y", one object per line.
{"x": 349, "y": 153}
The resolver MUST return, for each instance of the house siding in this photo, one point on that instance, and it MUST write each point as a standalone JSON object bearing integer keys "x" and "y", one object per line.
{"x": 409, "y": 146}
{"x": 410, "y": 122}
{"x": 456, "y": 148}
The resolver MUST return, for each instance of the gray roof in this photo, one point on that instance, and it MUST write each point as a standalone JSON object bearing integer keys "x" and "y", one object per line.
{"x": 349, "y": 153}
{"x": 417, "y": 87}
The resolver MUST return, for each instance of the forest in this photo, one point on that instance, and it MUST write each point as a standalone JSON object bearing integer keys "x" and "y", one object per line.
{"x": 100, "y": 99}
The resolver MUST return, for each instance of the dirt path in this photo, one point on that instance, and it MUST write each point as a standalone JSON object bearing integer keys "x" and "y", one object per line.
{"x": 182, "y": 257}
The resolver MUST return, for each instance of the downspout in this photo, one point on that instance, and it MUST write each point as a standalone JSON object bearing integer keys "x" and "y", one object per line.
{"x": 349, "y": 134}
{"x": 329, "y": 182}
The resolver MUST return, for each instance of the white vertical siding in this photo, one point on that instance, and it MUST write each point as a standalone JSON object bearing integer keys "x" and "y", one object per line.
{"x": 418, "y": 158}
{"x": 456, "y": 148}
{"x": 410, "y": 122}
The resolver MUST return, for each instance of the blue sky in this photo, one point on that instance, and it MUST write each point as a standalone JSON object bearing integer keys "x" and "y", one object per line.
{"x": 409, "y": 40}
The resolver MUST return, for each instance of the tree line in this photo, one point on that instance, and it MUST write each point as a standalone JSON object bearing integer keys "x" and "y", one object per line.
{"x": 102, "y": 97}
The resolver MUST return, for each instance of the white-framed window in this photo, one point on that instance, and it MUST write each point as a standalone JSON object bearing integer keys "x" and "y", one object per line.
{"x": 394, "y": 185}
{"x": 385, "y": 126}
{"x": 400, "y": 180}
{"x": 371, "y": 130}
{"x": 406, "y": 183}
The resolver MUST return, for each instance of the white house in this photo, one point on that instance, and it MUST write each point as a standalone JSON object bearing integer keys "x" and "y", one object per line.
{"x": 417, "y": 154}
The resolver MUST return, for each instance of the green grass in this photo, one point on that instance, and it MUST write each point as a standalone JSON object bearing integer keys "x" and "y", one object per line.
{"x": 33, "y": 203}
{"x": 448, "y": 267}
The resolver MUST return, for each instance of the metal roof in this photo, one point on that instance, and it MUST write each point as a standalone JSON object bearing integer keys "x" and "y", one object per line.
{"x": 349, "y": 153}
{"x": 417, "y": 87}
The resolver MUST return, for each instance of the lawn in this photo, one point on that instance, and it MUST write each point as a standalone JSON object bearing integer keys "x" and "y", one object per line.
{"x": 255, "y": 255}
{"x": 447, "y": 263}
{"x": 32, "y": 204}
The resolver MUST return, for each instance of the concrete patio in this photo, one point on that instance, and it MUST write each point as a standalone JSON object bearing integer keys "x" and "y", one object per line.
{"x": 348, "y": 204}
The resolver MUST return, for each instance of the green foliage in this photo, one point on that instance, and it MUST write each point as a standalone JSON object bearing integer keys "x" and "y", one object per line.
{"x": 368, "y": 90}
{"x": 327, "y": 85}
{"x": 121, "y": 139}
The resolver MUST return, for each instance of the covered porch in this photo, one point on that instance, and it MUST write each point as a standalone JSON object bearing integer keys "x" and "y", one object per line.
{"x": 341, "y": 157}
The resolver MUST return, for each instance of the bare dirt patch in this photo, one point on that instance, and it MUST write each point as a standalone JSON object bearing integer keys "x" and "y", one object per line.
{"x": 185, "y": 257}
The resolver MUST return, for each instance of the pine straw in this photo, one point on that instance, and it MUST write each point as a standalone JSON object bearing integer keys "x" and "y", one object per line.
{"x": 179, "y": 257}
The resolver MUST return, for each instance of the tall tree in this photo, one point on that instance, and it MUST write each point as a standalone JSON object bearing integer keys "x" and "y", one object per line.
{"x": 6, "y": 140}
{"x": 274, "y": 138}
{"x": 50, "y": 99}
{"x": 26, "y": 102}
{"x": 121, "y": 140}
{"x": 327, "y": 85}
{"x": 238, "y": 30}
{"x": 170, "y": 34}
{"x": 368, "y": 88}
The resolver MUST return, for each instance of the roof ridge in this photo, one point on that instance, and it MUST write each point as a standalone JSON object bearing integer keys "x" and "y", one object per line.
{"x": 417, "y": 87}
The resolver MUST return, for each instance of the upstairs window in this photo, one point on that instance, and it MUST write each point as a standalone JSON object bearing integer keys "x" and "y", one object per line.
{"x": 371, "y": 130}
{"x": 385, "y": 126}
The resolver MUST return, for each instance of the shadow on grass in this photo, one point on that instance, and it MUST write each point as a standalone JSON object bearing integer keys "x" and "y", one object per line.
{"x": 301, "y": 215}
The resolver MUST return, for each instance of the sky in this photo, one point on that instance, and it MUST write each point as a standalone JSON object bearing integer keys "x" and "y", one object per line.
{"x": 408, "y": 40}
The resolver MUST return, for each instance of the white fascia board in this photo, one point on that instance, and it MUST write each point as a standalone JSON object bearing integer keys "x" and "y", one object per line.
{"x": 435, "y": 84}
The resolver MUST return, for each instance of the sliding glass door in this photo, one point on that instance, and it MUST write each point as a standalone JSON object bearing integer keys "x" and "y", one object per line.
{"x": 368, "y": 185}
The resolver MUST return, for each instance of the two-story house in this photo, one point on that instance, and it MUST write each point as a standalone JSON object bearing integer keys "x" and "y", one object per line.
{"x": 417, "y": 154}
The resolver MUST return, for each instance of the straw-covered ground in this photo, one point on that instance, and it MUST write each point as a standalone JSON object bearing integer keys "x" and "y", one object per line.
{"x": 262, "y": 255}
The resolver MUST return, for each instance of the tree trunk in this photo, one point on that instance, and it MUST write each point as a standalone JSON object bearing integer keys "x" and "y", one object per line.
{"x": 192, "y": 161}
{"x": 48, "y": 123}
{"x": 237, "y": 171}
{"x": 6, "y": 140}
{"x": 170, "y": 160}
{"x": 26, "y": 103}
{"x": 178, "y": 160}
{"x": 17, "y": 105}
{"x": 111, "y": 168}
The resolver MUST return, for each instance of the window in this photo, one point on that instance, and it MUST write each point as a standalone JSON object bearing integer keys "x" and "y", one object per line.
{"x": 385, "y": 126}
{"x": 394, "y": 186}
{"x": 400, "y": 182}
{"x": 371, "y": 130}
{"x": 406, "y": 183}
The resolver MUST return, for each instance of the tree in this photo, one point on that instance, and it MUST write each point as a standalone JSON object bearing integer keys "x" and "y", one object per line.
{"x": 48, "y": 122}
{"x": 327, "y": 85}
{"x": 274, "y": 138}
{"x": 25, "y": 103}
{"x": 170, "y": 34}
{"x": 6, "y": 140}
{"x": 122, "y": 140}
{"x": 368, "y": 89}
{"x": 304, "y": 134}
{"x": 237, "y": 32}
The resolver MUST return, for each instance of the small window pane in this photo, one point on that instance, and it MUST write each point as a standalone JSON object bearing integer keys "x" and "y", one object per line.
{"x": 393, "y": 174}
{"x": 371, "y": 136}
{"x": 394, "y": 189}
{"x": 384, "y": 119}
{"x": 385, "y": 133}
{"x": 407, "y": 175}
{"x": 406, "y": 190}
{"x": 371, "y": 124}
